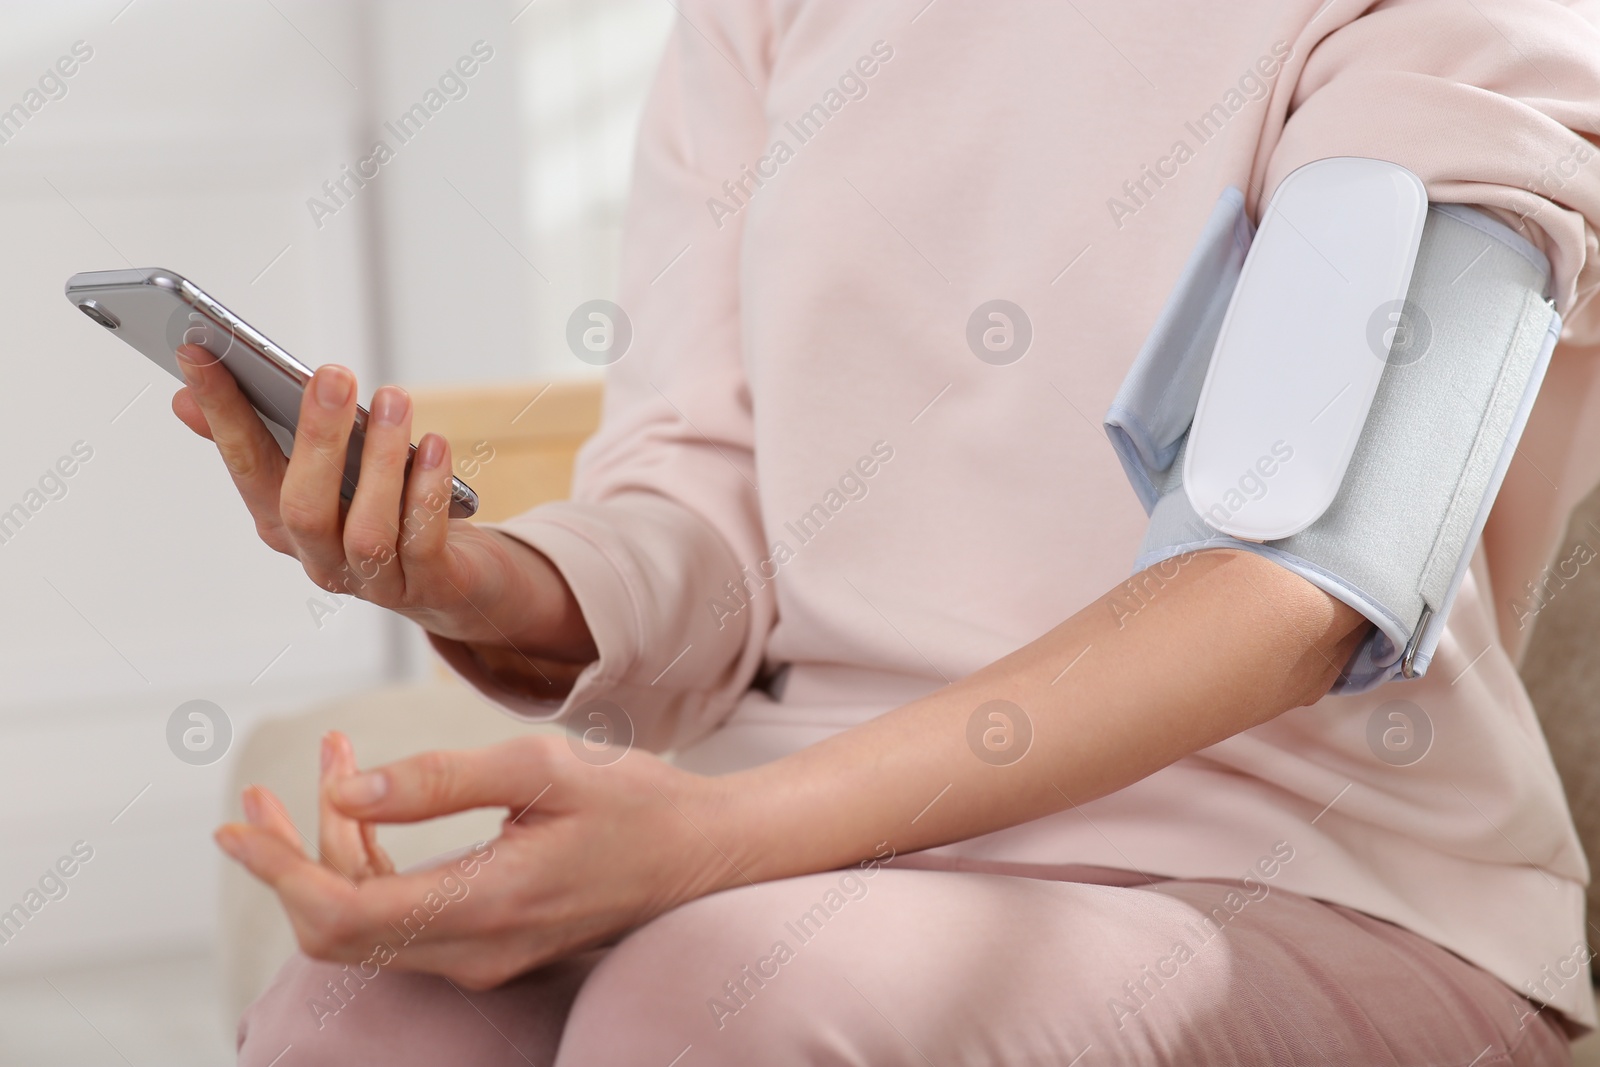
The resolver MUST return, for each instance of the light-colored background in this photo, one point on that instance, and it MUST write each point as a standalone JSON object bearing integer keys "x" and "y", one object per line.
{"x": 192, "y": 140}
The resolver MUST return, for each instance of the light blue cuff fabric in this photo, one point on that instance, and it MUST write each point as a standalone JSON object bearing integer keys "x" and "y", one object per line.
{"x": 1473, "y": 343}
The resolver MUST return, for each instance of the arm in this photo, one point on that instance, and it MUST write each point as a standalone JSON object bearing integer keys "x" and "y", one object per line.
{"x": 1232, "y": 641}
{"x": 588, "y": 852}
{"x": 1228, "y": 643}
{"x": 611, "y": 594}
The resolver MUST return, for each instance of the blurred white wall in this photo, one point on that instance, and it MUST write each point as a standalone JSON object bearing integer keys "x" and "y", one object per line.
{"x": 588, "y": 64}
{"x": 192, "y": 137}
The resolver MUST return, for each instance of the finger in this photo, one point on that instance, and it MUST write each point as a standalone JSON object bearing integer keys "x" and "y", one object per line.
{"x": 267, "y": 856}
{"x": 310, "y": 503}
{"x": 511, "y": 774}
{"x": 187, "y": 408}
{"x": 264, "y": 810}
{"x": 374, "y": 857}
{"x": 339, "y": 837}
{"x": 372, "y": 526}
{"x": 426, "y": 519}
{"x": 251, "y": 453}
{"x": 323, "y": 907}
{"x": 377, "y": 855}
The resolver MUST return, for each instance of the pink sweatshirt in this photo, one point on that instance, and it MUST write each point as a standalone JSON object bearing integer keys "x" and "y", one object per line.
{"x": 804, "y": 462}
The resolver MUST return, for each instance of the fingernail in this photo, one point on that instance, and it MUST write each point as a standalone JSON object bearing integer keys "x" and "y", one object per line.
{"x": 189, "y": 368}
{"x": 431, "y": 452}
{"x": 327, "y": 752}
{"x": 389, "y": 406}
{"x": 252, "y": 807}
{"x": 334, "y": 385}
{"x": 362, "y": 789}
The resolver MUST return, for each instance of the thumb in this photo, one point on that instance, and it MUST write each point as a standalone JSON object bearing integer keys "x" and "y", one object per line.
{"x": 508, "y": 775}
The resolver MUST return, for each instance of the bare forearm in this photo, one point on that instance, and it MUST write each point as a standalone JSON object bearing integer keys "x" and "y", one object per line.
{"x": 1231, "y": 641}
{"x": 525, "y": 622}
{"x": 542, "y": 615}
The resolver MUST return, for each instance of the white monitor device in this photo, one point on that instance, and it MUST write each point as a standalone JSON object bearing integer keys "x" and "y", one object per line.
{"x": 1304, "y": 342}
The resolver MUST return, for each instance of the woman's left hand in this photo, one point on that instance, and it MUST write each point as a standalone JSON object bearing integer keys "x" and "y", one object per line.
{"x": 586, "y": 853}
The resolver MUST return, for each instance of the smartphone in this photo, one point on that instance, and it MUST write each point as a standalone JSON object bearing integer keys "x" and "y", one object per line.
{"x": 157, "y": 311}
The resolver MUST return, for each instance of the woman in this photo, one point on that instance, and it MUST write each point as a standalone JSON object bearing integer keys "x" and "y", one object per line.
{"x": 945, "y": 789}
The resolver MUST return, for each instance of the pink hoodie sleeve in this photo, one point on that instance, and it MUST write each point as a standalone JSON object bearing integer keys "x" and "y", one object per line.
{"x": 664, "y": 504}
{"x": 1494, "y": 103}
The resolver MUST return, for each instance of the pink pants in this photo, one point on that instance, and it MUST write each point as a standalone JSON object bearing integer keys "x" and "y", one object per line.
{"x": 926, "y": 966}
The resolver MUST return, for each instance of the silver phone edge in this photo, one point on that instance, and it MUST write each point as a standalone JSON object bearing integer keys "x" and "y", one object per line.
{"x": 463, "y": 499}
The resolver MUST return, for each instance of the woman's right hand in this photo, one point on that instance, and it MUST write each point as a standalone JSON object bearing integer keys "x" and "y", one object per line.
{"x": 395, "y": 545}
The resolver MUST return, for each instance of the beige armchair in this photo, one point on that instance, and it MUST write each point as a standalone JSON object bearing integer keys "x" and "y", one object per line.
{"x": 534, "y": 430}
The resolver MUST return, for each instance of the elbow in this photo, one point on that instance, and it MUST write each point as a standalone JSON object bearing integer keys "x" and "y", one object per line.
{"x": 1296, "y": 637}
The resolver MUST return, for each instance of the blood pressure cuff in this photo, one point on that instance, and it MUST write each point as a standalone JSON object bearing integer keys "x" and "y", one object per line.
{"x": 1469, "y": 349}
